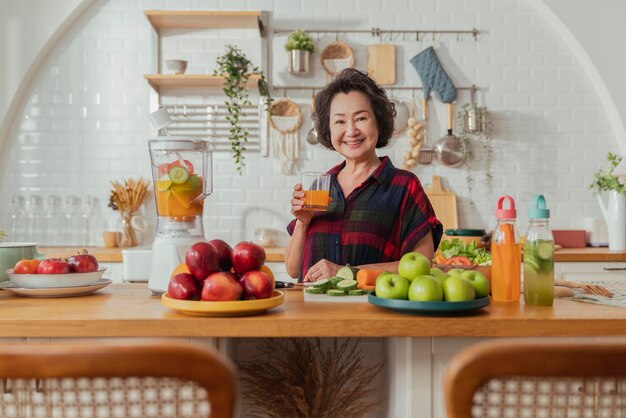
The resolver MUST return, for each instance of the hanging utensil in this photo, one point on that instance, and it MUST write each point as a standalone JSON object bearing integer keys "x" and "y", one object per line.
{"x": 311, "y": 136}
{"x": 426, "y": 153}
{"x": 402, "y": 117}
{"x": 449, "y": 150}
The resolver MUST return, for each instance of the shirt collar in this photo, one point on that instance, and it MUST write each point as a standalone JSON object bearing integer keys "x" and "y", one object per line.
{"x": 383, "y": 173}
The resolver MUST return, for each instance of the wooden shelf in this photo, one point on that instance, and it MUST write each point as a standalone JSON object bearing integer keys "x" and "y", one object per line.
{"x": 158, "y": 81}
{"x": 189, "y": 19}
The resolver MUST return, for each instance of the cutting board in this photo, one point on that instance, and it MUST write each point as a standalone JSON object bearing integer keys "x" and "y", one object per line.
{"x": 312, "y": 297}
{"x": 381, "y": 63}
{"x": 444, "y": 203}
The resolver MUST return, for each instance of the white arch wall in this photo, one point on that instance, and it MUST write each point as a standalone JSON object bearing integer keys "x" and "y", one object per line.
{"x": 84, "y": 123}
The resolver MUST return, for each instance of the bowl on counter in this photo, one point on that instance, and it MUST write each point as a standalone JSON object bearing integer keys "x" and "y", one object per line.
{"x": 48, "y": 281}
{"x": 466, "y": 235}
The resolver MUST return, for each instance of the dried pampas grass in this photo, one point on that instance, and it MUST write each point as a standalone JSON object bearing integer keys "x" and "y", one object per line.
{"x": 298, "y": 377}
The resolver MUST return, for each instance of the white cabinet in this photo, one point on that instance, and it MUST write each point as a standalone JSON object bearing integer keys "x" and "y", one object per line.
{"x": 591, "y": 271}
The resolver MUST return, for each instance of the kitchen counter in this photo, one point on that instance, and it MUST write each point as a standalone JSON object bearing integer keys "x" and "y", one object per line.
{"x": 129, "y": 310}
{"x": 115, "y": 254}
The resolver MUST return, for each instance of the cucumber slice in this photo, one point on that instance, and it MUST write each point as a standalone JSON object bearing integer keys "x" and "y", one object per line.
{"x": 334, "y": 280}
{"x": 531, "y": 263}
{"x": 322, "y": 283}
{"x": 178, "y": 174}
{"x": 356, "y": 292}
{"x": 547, "y": 266}
{"x": 347, "y": 285}
{"x": 347, "y": 272}
{"x": 314, "y": 290}
{"x": 545, "y": 249}
{"x": 335, "y": 292}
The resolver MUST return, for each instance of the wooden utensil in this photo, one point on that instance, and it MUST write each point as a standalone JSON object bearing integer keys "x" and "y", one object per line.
{"x": 444, "y": 204}
{"x": 381, "y": 63}
{"x": 426, "y": 153}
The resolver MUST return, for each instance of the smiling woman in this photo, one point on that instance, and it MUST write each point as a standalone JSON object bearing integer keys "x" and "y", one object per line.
{"x": 377, "y": 212}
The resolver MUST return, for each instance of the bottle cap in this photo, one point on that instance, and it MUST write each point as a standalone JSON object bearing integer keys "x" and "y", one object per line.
{"x": 502, "y": 213}
{"x": 537, "y": 209}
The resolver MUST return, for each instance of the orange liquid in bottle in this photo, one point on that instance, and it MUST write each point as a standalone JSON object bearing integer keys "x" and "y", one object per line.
{"x": 505, "y": 271}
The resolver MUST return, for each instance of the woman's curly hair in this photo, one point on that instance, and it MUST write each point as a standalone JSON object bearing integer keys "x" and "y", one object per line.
{"x": 350, "y": 80}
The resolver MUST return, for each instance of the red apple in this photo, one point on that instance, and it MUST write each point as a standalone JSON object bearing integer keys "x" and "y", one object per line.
{"x": 247, "y": 256}
{"x": 224, "y": 252}
{"x": 82, "y": 263}
{"x": 256, "y": 285}
{"x": 184, "y": 286}
{"x": 202, "y": 260}
{"x": 53, "y": 266}
{"x": 221, "y": 286}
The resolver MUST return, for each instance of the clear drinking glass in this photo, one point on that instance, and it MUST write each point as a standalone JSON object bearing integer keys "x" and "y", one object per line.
{"x": 34, "y": 216}
{"x": 54, "y": 220}
{"x": 17, "y": 219}
{"x": 72, "y": 224}
{"x": 316, "y": 190}
{"x": 91, "y": 222}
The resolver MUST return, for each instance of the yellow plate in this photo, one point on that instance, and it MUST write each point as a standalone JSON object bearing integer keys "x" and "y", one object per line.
{"x": 225, "y": 308}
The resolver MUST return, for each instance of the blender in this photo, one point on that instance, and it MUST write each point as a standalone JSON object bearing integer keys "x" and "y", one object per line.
{"x": 182, "y": 178}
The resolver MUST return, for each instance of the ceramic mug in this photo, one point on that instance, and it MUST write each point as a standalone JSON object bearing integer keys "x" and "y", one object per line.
{"x": 12, "y": 252}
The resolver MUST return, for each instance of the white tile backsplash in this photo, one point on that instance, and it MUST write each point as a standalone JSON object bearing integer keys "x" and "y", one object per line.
{"x": 85, "y": 121}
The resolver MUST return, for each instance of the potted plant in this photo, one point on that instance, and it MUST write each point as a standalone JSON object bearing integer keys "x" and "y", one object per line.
{"x": 476, "y": 138}
{"x": 300, "y": 45}
{"x": 236, "y": 69}
{"x": 615, "y": 212}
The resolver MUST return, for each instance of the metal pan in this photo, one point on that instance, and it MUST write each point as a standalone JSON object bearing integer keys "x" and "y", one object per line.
{"x": 449, "y": 150}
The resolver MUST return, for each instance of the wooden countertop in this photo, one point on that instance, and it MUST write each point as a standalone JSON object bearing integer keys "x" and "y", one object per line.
{"x": 114, "y": 255}
{"x": 128, "y": 310}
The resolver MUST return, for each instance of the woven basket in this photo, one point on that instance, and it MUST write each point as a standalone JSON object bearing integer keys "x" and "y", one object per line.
{"x": 285, "y": 108}
{"x": 337, "y": 57}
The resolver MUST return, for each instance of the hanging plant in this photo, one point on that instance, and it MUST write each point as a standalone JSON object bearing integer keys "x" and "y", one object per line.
{"x": 480, "y": 155}
{"x": 236, "y": 69}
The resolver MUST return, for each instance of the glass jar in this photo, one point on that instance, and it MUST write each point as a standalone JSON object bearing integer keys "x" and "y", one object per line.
{"x": 266, "y": 237}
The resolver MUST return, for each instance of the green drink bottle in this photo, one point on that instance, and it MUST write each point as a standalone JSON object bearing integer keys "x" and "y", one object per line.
{"x": 539, "y": 256}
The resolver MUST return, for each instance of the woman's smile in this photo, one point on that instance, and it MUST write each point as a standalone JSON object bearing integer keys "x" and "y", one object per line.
{"x": 353, "y": 128}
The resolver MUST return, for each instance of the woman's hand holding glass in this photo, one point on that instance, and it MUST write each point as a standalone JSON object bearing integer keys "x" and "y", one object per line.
{"x": 298, "y": 210}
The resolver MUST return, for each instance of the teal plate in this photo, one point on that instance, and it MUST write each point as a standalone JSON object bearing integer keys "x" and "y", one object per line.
{"x": 429, "y": 308}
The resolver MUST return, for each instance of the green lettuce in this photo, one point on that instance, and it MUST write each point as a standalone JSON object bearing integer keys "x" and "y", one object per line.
{"x": 478, "y": 256}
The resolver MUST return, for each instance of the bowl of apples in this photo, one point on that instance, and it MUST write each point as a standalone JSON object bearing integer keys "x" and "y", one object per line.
{"x": 217, "y": 280}
{"x": 78, "y": 270}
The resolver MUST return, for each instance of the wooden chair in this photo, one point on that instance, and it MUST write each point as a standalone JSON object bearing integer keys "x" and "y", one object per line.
{"x": 538, "y": 378}
{"x": 148, "y": 378}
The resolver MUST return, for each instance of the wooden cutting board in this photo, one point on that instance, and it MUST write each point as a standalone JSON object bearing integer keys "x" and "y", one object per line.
{"x": 444, "y": 204}
{"x": 381, "y": 63}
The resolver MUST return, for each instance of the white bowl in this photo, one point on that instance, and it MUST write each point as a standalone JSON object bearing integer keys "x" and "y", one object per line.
{"x": 175, "y": 66}
{"x": 47, "y": 281}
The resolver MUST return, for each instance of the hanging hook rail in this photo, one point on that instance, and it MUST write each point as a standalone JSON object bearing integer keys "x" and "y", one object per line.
{"x": 471, "y": 88}
{"x": 377, "y": 32}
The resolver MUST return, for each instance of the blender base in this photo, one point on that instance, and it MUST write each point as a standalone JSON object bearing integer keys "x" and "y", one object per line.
{"x": 167, "y": 253}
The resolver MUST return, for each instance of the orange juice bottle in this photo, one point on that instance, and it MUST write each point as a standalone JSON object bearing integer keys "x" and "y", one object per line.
{"x": 506, "y": 255}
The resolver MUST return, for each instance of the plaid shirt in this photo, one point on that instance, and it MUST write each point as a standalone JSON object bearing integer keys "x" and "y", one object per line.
{"x": 382, "y": 219}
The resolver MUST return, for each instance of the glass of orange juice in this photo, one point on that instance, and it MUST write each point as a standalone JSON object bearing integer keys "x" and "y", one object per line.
{"x": 316, "y": 190}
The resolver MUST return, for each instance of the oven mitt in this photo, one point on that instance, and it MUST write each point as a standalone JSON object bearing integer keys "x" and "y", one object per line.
{"x": 433, "y": 75}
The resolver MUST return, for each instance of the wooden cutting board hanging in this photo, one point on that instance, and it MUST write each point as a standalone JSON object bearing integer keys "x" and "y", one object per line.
{"x": 444, "y": 204}
{"x": 381, "y": 63}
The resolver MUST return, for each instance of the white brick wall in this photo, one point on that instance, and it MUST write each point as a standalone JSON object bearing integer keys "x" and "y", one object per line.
{"x": 85, "y": 120}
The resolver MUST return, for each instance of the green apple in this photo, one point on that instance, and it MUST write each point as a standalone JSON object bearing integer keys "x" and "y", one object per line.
{"x": 458, "y": 289}
{"x": 439, "y": 275}
{"x": 456, "y": 272}
{"x": 384, "y": 273}
{"x": 412, "y": 265}
{"x": 425, "y": 289}
{"x": 392, "y": 286}
{"x": 479, "y": 281}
